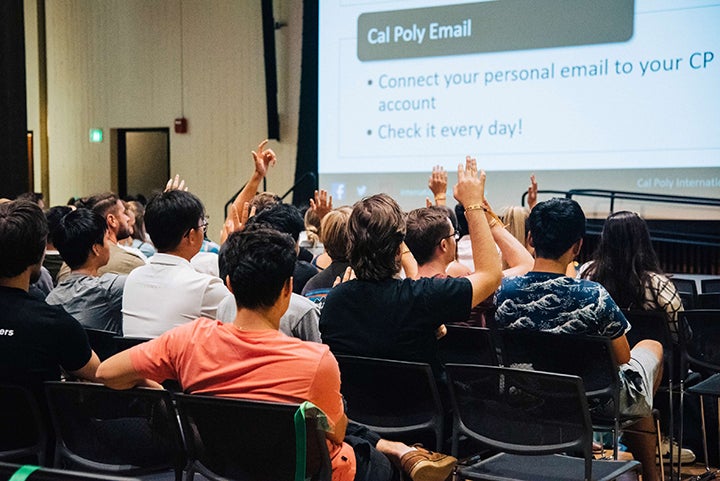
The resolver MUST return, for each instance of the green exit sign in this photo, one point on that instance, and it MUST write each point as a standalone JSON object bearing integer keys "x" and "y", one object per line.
{"x": 96, "y": 135}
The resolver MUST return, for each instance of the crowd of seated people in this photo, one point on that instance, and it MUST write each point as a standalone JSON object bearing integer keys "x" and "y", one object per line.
{"x": 256, "y": 321}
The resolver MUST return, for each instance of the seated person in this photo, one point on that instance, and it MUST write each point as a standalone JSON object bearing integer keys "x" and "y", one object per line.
{"x": 167, "y": 291}
{"x": 36, "y": 339}
{"x": 333, "y": 234}
{"x": 113, "y": 210}
{"x": 545, "y": 299}
{"x": 378, "y": 314}
{"x": 94, "y": 300}
{"x": 250, "y": 359}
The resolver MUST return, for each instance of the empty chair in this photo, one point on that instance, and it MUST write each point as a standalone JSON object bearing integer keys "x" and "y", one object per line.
{"x": 252, "y": 440}
{"x": 392, "y": 397}
{"x": 467, "y": 345}
{"x": 23, "y": 434}
{"x": 685, "y": 285}
{"x": 708, "y": 300}
{"x": 36, "y": 473}
{"x": 710, "y": 285}
{"x": 131, "y": 432}
{"x": 530, "y": 417}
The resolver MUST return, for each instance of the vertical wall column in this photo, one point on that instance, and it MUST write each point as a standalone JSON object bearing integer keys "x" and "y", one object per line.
{"x": 14, "y": 169}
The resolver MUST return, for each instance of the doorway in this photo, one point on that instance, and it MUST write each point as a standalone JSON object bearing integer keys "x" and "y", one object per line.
{"x": 143, "y": 161}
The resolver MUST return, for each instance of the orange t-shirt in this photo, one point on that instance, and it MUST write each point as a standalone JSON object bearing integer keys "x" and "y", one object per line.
{"x": 212, "y": 358}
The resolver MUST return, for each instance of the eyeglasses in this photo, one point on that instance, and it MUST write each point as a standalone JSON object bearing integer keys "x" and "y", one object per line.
{"x": 454, "y": 234}
{"x": 203, "y": 225}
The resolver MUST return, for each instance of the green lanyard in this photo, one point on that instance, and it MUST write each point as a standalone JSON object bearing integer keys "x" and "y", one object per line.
{"x": 23, "y": 472}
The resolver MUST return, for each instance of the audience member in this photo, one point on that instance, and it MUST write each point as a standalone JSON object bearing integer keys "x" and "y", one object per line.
{"x": 545, "y": 299}
{"x": 626, "y": 265}
{"x": 94, "y": 300}
{"x": 167, "y": 291}
{"x": 139, "y": 238}
{"x": 334, "y": 238}
{"x": 380, "y": 315}
{"x": 302, "y": 317}
{"x": 36, "y": 339}
{"x": 53, "y": 261}
{"x": 42, "y": 286}
{"x": 34, "y": 197}
{"x": 250, "y": 359}
{"x": 287, "y": 219}
{"x": 109, "y": 206}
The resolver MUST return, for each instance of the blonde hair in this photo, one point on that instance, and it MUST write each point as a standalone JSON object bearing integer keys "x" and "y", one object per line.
{"x": 312, "y": 226}
{"x": 334, "y": 233}
{"x": 514, "y": 218}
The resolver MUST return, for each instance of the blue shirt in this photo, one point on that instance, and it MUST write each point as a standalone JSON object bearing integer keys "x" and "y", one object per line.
{"x": 544, "y": 301}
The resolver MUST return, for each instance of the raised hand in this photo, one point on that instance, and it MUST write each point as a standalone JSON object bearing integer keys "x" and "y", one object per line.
{"x": 532, "y": 193}
{"x": 321, "y": 203}
{"x": 263, "y": 158}
{"x": 438, "y": 184}
{"x": 470, "y": 188}
{"x": 175, "y": 183}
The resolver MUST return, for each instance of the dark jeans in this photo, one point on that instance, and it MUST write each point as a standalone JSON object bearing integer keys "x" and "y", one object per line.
{"x": 372, "y": 465}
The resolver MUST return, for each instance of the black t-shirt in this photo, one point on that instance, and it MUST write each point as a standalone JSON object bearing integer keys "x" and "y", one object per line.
{"x": 37, "y": 338}
{"x": 394, "y": 318}
{"x": 302, "y": 273}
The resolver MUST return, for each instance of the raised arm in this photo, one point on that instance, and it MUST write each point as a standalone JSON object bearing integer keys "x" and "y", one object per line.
{"x": 263, "y": 160}
{"x": 470, "y": 192}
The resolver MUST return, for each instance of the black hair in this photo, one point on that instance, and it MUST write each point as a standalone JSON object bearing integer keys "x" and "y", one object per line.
{"x": 555, "y": 225}
{"x": 77, "y": 233}
{"x": 170, "y": 215}
{"x": 53, "y": 216}
{"x": 376, "y": 229}
{"x": 103, "y": 204}
{"x": 23, "y": 234}
{"x": 426, "y": 228}
{"x": 258, "y": 262}
{"x": 624, "y": 259}
{"x": 285, "y": 218}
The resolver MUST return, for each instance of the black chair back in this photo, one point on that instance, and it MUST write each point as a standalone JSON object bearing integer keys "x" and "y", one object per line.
{"x": 22, "y": 428}
{"x": 710, "y": 285}
{"x": 520, "y": 411}
{"x": 123, "y": 343}
{"x": 102, "y": 342}
{"x": 392, "y": 397}
{"x": 708, "y": 300}
{"x": 651, "y": 325}
{"x": 701, "y": 352}
{"x": 250, "y": 440}
{"x": 98, "y": 429}
{"x": 688, "y": 286}
{"x": 467, "y": 345}
{"x": 33, "y": 473}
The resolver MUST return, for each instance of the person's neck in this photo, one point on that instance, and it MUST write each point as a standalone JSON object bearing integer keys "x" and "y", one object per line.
{"x": 432, "y": 268}
{"x": 112, "y": 237}
{"x": 256, "y": 319}
{"x": 186, "y": 254}
{"x": 555, "y": 266}
{"x": 18, "y": 282}
{"x": 87, "y": 270}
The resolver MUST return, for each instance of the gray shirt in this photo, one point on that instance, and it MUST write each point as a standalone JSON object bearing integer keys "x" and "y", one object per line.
{"x": 96, "y": 302}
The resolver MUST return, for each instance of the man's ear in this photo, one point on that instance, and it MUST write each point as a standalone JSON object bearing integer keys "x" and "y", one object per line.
{"x": 227, "y": 284}
{"x": 576, "y": 247}
{"x": 96, "y": 249}
{"x": 111, "y": 220}
{"x": 288, "y": 287}
{"x": 530, "y": 240}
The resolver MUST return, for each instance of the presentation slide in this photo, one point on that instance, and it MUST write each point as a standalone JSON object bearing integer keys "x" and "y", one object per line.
{"x": 618, "y": 94}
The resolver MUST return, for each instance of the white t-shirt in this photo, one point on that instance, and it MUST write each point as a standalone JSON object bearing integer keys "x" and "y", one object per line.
{"x": 168, "y": 292}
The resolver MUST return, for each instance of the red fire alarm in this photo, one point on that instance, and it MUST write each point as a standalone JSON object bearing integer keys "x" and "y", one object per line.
{"x": 181, "y": 125}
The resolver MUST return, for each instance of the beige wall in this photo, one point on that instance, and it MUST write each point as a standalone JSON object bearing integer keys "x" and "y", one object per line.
{"x": 117, "y": 64}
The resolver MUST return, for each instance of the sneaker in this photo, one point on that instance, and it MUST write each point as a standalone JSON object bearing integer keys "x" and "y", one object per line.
{"x": 685, "y": 456}
{"x": 424, "y": 465}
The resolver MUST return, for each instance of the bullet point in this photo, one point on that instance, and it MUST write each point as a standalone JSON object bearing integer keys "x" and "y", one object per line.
{"x": 369, "y": 82}
{"x": 369, "y": 132}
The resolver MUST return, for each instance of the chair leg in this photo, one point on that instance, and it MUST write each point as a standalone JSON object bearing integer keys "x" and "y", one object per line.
{"x": 658, "y": 437}
{"x": 704, "y": 433}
